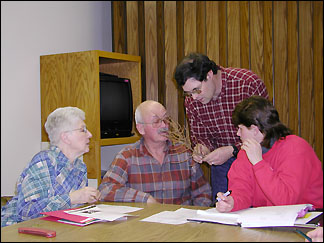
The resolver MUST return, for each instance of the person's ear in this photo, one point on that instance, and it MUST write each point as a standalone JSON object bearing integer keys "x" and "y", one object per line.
{"x": 65, "y": 137}
{"x": 210, "y": 74}
{"x": 140, "y": 128}
{"x": 255, "y": 129}
{"x": 257, "y": 133}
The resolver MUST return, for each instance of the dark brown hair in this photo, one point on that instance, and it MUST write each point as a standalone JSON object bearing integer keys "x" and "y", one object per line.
{"x": 259, "y": 111}
{"x": 194, "y": 65}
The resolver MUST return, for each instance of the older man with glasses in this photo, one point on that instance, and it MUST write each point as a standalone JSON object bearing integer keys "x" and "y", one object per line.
{"x": 212, "y": 93}
{"x": 153, "y": 170}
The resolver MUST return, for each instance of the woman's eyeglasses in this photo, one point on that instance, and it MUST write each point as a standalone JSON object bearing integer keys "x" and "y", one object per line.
{"x": 82, "y": 129}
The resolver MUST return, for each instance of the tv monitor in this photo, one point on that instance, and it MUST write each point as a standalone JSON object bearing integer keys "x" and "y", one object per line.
{"x": 116, "y": 106}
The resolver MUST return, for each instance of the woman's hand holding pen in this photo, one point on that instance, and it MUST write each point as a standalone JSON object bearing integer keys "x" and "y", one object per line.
{"x": 226, "y": 204}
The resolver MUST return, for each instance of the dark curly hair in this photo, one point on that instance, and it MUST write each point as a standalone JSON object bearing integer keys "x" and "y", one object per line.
{"x": 259, "y": 111}
{"x": 194, "y": 65}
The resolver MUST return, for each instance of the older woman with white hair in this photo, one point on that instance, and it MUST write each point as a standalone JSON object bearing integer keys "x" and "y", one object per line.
{"x": 56, "y": 178}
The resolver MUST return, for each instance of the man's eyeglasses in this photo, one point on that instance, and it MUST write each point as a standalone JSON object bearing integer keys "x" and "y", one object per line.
{"x": 194, "y": 91}
{"x": 82, "y": 129}
{"x": 158, "y": 122}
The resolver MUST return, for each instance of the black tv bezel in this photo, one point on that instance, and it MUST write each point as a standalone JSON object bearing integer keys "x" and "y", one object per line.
{"x": 112, "y": 132}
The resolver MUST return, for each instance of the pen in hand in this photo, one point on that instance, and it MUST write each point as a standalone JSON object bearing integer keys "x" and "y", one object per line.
{"x": 218, "y": 199}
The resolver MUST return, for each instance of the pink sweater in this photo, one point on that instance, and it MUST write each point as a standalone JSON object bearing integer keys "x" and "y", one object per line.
{"x": 290, "y": 173}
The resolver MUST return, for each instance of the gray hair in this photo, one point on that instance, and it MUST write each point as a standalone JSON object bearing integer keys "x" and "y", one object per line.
{"x": 60, "y": 120}
{"x": 140, "y": 108}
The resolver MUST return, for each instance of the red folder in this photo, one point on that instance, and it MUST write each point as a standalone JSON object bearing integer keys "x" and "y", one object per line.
{"x": 62, "y": 217}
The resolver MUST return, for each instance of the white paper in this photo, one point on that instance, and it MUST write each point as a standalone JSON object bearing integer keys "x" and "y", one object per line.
{"x": 270, "y": 216}
{"x": 104, "y": 211}
{"x": 172, "y": 217}
{"x": 273, "y": 216}
{"x": 213, "y": 216}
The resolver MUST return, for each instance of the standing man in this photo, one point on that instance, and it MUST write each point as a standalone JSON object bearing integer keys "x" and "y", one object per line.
{"x": 212, "y": 93}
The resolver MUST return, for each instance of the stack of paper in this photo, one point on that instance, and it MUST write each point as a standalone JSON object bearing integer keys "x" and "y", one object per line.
{"x": 90, "y": 214}
{"x": 270, "y": 216}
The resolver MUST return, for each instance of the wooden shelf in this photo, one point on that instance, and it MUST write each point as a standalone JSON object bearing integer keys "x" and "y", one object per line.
{"x": 72, "y": 79}
{"x": 116, "y": 141}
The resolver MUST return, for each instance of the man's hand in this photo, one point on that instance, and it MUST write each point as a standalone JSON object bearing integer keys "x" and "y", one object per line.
{"x": 151, "y": 200}
{"x": 219, "y": 156}
{"x": 85, "y": 195}
{"x": 199, "y": 152}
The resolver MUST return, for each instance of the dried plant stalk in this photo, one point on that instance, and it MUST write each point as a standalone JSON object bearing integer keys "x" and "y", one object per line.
{"x": 177, "y": 133}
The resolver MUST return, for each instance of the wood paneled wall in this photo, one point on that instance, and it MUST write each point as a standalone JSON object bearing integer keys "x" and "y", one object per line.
{"x": 281, "y": 41}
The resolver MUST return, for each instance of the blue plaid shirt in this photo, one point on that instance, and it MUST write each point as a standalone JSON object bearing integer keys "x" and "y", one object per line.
{"x": 44, "y": 185}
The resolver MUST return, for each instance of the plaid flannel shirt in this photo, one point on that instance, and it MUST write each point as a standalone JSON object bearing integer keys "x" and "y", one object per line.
{"x": 135, "y": 174}
{"x": 44, "y": 185}
{"x": 211, "y": 123}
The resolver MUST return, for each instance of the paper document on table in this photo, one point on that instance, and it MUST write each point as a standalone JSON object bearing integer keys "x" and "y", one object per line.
{"x": 104, "y": 211}
{"x": 215, "y": 217}
{"x": 171, "y": 217}
{"x": 270, "y": 216}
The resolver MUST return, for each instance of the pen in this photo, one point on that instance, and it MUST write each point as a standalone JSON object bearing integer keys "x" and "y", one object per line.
{"x": 218, "y": 199}
{"x": 304, "y": 235}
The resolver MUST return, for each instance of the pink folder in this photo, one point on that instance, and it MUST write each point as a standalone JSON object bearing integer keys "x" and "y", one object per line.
{"x": 62, "y": 217}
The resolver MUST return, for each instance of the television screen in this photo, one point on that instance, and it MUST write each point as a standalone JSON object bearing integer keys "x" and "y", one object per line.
{"x": 116, "y": 106}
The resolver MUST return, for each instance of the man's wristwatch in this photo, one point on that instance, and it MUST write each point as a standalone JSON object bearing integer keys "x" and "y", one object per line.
{"x": 235, "y": 151}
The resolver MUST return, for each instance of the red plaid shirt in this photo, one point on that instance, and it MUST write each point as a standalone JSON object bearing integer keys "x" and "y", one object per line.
{"x": 135, "y": 174}
{"x": 211, "y": 123}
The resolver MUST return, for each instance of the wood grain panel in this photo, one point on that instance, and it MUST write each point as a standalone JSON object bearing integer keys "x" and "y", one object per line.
{"x": 189, "y": 27}
{"x": 119, "y": 26}
{"x": 280, "y": 60}
{"x": 318, "y": 77}
{"x": 151, "y": 51}
{"x": 212, "y": 30}
{"x": 245, "y": 35}
{"x": 132, "y": 27}
{"x": 233, "y": 32}
{"x": 267, "y": 45}
{"x": 67, "y": 88}
{"x": 306, "y": 73}
{"x": 50, "y": 73}
{"x": 201, "y": 26}
{"x": 293, "y": 68}
{"x": 141, "y": 40}
{"x": 223, "y": 46}
{"x": 180, "y": 55}
{"x": 160, "y": 51}
{"x": 257, "y": 61}
{"x": 170, "y": 30}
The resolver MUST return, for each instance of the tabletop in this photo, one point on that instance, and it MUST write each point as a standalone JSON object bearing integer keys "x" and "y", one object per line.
{"x": 133, "y": 229}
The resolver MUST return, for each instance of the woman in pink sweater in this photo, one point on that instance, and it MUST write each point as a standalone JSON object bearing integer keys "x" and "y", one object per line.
{"x": 273, "y": 167}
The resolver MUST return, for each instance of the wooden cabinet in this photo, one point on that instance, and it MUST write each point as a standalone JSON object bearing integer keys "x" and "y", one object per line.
{"x": 72, "y": 79}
